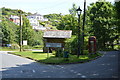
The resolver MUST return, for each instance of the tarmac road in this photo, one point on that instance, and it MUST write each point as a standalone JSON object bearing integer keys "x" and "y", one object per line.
{"x": 17, "y": 67}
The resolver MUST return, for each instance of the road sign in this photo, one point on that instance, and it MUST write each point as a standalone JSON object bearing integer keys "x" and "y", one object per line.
{"x": 25, "y": 42}
{"x": 53, "y": 45}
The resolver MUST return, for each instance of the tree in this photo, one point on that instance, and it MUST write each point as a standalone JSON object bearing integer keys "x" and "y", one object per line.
{"x": 54, "y": 18}
{"x": 117, "y": 16}
{"x": 8, "y": 31}
{"x": 27, "y": 31}
{"x": 8, "y": 11}
{"x": 33, "y": 37}
{"x": 102, "y": 22}
{"x": 68, "y": 22}
{"x": 73, "y": 10}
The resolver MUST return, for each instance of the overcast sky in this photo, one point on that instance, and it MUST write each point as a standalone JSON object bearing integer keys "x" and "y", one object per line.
{"x": 45, "y": 6}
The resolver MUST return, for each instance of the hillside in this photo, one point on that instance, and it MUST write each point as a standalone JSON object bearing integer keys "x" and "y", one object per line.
{"x": 8, "y": 11}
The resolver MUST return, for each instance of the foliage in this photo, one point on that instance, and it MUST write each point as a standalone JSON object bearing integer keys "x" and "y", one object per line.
{"x": 38, "y": 47}
{"x": 71, "y": 45}
{"x": 73, "y": 10}
{"x": 102, "y": 22}
{"x": 15, "y": 46}
{"x": 8, "y": 11}
{"x": 37, "y": 39}
{"x": 27, "y": 32}
{"x": 117, "y": 16}
{"x": 8, "y": 31}
{"x": 68, "y": 22}
{"x": 54, "y": 18}
{"x": 26, "y": 47}
{"x": 33, "y": 37}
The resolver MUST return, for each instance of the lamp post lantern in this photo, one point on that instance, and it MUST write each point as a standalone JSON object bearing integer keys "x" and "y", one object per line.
{"x": 79, "y": 45}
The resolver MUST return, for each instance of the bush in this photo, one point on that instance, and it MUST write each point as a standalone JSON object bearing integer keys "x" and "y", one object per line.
{"x": 15, "y": 46}
{"x": 59, "y": 53}
{"x": 71, "y": 44}
{"x": 38, "y": 46}
{"x": 117, "y": 47}
{"x": 26, "y": 47}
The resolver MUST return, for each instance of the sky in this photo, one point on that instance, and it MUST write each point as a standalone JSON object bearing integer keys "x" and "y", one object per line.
{"x": 44, "y": 7}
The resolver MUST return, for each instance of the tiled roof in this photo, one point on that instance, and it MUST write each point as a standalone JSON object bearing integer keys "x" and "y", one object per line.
{"x": 57, "y": 34}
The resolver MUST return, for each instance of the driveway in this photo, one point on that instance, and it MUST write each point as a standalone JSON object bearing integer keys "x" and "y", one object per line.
{"x": 17, "y": 67}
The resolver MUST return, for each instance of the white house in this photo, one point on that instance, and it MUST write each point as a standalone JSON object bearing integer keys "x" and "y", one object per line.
{"x": 34, "y": 21}
{"x": 15, "y": 19}
{"x": 39, "y": 27}
{"x": 37, "y": 16}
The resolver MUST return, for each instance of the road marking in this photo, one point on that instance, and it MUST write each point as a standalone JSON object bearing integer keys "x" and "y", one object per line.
{"x": 95, "y": 74}
{"x": 44, "y": 71}
{"x": 79, "y": 74}
{"x": 83, "y": 76}
{"x": 27, "y": 71}
{"x": 33, "y": 71}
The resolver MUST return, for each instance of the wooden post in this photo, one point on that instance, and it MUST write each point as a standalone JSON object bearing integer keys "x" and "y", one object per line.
{"x": 48, "y": 53}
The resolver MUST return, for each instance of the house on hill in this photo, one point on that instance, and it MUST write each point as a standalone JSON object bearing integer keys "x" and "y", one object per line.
{"x": 15, "y": 19}
{"x": 37, "y": 17}
{"x": 34, "y": 21}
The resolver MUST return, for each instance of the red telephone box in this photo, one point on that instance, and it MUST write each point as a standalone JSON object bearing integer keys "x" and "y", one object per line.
{"x": 92, "y": 44}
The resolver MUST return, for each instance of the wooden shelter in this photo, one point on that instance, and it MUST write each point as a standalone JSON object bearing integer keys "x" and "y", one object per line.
{"x": 55, "y": 38}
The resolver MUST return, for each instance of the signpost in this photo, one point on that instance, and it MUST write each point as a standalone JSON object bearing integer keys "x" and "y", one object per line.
{"x": 52, "y": 45}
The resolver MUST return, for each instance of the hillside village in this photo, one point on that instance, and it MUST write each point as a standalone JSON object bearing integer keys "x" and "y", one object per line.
{"x": 34, "y": 20}
{"x": 37, "y": 21}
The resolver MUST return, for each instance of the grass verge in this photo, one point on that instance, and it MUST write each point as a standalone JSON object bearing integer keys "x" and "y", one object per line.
{"x": 7, "y": 49}
{"x": 42, "y": 57}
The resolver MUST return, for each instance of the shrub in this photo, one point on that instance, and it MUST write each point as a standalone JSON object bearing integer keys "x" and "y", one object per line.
{"x": 59, "y": 53}
{"x": 71, "y": 44}
{"x": 38, "y": 46}
{"x": 26, "y": 47}
{"x": 15, "y": 46}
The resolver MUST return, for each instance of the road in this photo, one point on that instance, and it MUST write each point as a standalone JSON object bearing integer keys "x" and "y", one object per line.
{"x": 17, "y": 67}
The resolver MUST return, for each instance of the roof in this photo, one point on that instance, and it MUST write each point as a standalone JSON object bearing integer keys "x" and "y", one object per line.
{"x": 14, "y": 17}
{"x": 35, "y": 14}
{"x": 57, "y": 34}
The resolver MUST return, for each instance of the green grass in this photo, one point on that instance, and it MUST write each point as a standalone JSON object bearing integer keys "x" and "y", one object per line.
{"x": 33, "y": 55}
{"x": 42, "y": 57}
{"x": 7, "y": 49}
{"x": 71, "y": 59}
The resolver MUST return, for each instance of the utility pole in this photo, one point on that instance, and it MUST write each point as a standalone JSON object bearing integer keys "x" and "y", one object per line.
{"x": 82, "y": 45}
{"x": 20, "y": 32}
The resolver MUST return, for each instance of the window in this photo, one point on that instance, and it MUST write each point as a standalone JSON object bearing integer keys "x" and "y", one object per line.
{"x": 38, "y": 18}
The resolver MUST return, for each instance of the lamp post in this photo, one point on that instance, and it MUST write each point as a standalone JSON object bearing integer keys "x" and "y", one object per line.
{"x": 79, "y": 45}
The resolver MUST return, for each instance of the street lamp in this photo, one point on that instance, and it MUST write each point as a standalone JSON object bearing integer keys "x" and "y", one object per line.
{"x": 79, "y": 45}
